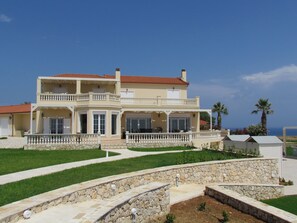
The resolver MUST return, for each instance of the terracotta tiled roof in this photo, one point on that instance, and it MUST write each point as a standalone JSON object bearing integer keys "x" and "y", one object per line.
{"x": 152, "y": 80}
{"x": 23, "y": 108}
{"x": 131, "y": 79}
{"x": 83, "y": 76}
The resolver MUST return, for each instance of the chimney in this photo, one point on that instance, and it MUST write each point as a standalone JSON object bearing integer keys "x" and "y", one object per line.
{"x": 184, "y": 75}
{"x": 118, "y": 74}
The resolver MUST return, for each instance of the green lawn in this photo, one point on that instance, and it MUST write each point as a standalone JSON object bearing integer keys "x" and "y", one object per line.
{"x": 289, "y": 151}
{"x": 26, "y": 188}
{"x": 14, "y": 160}
{"x": 161, "y": 149}
{"x": 287, "y": 203}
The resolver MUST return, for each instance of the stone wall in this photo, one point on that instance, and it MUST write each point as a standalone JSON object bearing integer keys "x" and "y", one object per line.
{"x": 151, "y": 206}
{"x": 157, "y": 145}
{"x": 248, "y": 171}
{"x": 61, "y": 146}
{"x": 258, "y": 192}
{"x": 250, "y": 206}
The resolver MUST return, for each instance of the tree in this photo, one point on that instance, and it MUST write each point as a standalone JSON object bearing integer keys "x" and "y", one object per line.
{"x": 219, "y": 108}
{"x": 255, "y": 130}
{"x": 263, "y": 106}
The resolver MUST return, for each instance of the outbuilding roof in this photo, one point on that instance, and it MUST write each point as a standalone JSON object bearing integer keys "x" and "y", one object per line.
{"x": 265, "y": 139}
{"x": 23, "y": 108}
{"x": 131, "y": 79}
{"x": 238, "y": 138}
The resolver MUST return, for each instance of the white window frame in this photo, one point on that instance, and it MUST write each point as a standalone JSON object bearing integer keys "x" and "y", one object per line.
{"x": 79, "y": 124}
{"x": 117, "y": 122}
{"x": 99, "y": 113}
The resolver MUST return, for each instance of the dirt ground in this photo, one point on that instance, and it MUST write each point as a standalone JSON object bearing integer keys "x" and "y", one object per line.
{"x": 187, "y": 212}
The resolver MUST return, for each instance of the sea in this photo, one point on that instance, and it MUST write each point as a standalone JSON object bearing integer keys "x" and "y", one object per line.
{"x": 277, "y": 131}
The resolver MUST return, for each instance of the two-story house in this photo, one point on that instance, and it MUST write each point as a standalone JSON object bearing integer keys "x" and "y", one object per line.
{"x": 113, "y": 104}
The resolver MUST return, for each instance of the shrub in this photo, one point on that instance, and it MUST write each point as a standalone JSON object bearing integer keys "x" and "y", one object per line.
{"x": 202, "y": 206}
{"x": 225, "y": 217}
{"x": 170, "y": 218}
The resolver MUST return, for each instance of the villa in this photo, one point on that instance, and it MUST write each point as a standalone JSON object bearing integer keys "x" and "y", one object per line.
{"x": 77, "y": 108}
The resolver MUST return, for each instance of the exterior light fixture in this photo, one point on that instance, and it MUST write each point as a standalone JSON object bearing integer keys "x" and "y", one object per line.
{"x": 113, "y": 188}
{"x": 134, "y": 213}
{"x": 177, "y": 180}
{"x": 27, "y": 214}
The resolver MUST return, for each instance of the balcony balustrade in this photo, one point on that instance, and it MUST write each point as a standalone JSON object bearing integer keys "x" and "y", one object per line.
{"x": 180, "y": 137}
{"x": 49, "y": 97}
{"x": 61, "y": 139}
{"x": 108, "y": 97}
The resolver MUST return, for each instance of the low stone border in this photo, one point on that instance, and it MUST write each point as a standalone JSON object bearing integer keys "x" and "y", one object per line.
{"x": 257, "y": 191}
{"x": 250, "y": 206}
{"x": 249, "y": 171}
{"x": 151, "y": 202}
{"x": 61, "y": 146}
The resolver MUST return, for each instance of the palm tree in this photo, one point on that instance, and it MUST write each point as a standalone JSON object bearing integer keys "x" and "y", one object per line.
{"x": 220, "y": 109}
{"x": 263, "y": 106}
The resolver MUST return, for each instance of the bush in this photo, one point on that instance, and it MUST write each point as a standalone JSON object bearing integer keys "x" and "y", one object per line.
{"x": 170, "y": 218}
{"x": 225, "y": 217}
{"x": 202, "y": 206}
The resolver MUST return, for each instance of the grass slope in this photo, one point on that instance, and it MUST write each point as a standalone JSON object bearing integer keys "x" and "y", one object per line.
{"x": 14, "y": 160}
{"x": 26, "y": 188}
{"x": 287, "y": 203}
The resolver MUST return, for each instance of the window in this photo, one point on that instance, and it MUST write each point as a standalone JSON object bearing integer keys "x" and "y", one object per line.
{"x": 138, "y": 124}
{"x": 114, "y": 118}
{"x": 56, "y": 125}
{"x": 176, "y": 124}
{"x": 99, "y": 123}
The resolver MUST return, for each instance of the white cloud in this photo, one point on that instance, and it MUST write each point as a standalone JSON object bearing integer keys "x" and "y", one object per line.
{"x": 286, "y": 73}
{"x": 4, "y": 18}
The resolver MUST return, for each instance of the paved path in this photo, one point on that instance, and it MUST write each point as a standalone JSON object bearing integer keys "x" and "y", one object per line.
{"x": 78, "y": 212}
{"x": 124, "y": 154}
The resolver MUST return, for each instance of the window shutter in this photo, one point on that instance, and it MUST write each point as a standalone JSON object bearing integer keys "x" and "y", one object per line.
{"x": 67, "y": 126}
{"x": 46, "y": 126}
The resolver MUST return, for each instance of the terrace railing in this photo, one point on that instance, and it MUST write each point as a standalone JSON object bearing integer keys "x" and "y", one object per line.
{"x": 82, "y": 139}
{"x": 158, "y": 101}
{"x": 50, "y": 97}
{"x": 180, "y": 137}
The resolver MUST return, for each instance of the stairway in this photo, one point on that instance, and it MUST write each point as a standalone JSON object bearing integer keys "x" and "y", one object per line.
{"x": 114, "y": 144}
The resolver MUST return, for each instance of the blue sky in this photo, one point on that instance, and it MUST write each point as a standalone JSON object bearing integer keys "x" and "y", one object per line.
{"x": 235, "y": 51}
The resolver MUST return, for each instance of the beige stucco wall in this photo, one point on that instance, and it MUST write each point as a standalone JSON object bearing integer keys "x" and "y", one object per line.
{"x": 86, "y": 88}
{"x": 21, "y": 124}
{"x": 153, "y": 90}
{"x": 49, "y": 87}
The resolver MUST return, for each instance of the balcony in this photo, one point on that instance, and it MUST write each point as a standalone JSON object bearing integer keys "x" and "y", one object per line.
{"x": 160, "y": 102}
{"x": 79, "y": 99}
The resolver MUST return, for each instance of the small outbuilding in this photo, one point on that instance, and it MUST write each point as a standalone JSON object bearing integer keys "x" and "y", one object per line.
{"x": 265, "y": 146}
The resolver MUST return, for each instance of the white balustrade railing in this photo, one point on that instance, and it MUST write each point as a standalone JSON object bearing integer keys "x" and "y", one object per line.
{"x": 57, "y": 97}
{"x": 39, "y": 139}
{"x": 181, "y": 137}
{"x": 158, "y": 101}
{"x": 79, "y": 97}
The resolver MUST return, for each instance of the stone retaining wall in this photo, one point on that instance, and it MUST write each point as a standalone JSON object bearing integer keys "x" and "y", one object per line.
{"x": 250, "y": 206}
{"x": 258, "y": 192}
{"x": 151, "y": 206}
{"x": 157, "y": 145}
{"x": 61, "y": 146}
{"x": 249, "y": 171}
